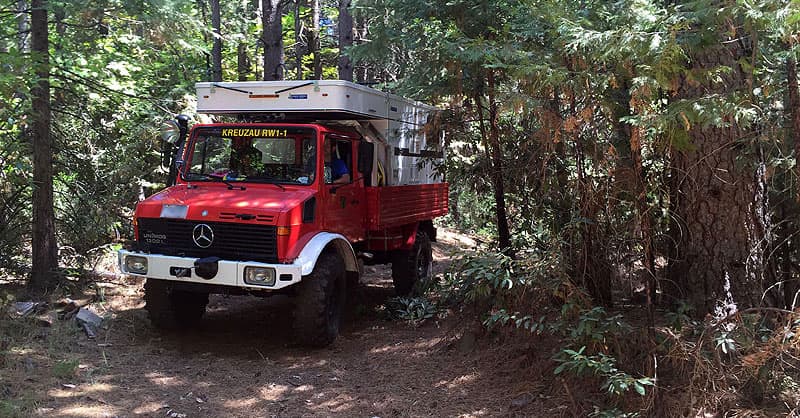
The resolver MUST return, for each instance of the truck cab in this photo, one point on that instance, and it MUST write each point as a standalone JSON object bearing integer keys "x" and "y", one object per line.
{"x": 292, "y": 207}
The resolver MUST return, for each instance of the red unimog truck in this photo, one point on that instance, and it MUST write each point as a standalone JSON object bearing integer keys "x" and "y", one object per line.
{"x": 305, "y": 183}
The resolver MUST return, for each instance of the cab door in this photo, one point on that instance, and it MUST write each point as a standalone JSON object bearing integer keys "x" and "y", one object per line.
{"x": 344, "y": 202}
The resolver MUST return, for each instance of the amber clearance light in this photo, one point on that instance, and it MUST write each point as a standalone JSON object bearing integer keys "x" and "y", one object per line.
{"x": 283, "y": 231}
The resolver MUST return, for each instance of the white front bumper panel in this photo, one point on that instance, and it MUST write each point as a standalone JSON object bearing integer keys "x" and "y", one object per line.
{"x": 229, "y": 273}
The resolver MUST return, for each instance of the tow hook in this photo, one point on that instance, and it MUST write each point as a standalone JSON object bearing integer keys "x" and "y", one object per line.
{"x": 206, "y": 267}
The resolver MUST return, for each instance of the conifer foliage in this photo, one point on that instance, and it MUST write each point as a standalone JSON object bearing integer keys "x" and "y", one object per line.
{"x": 651, "y": 145}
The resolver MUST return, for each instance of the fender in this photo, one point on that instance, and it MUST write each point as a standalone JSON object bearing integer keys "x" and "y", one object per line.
{"x": 310, "y": 253}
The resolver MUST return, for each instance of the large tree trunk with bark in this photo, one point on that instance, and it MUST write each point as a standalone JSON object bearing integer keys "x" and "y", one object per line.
{"x": 720, "y": 200}
{"x": 791, "y": 287}
{"x": 272, "y": 39}
{"x": 216, "y": 49}
{"x": 345, "y": 40}
{"x": 45, "y": 250}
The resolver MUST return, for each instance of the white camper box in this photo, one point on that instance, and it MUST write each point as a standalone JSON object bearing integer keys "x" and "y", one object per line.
{"x": 396, "y": 125}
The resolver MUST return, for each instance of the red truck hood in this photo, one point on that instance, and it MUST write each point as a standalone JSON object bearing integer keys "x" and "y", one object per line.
{"x": 216, "y": 200}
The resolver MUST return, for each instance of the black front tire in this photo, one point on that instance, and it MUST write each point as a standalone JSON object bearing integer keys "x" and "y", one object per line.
{"x": 320, "y": 302}
{"x": 412, "y": 267}
{"x": 171, "y": 309}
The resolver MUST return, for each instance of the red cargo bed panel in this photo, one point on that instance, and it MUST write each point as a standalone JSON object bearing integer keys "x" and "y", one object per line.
{"x": 400, "y": 205}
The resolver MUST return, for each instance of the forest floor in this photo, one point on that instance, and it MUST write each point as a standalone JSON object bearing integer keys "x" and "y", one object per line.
{"x": 241, "y": 362}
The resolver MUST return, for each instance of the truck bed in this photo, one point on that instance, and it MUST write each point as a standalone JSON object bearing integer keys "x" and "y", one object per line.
{"x": 392, "y": 206}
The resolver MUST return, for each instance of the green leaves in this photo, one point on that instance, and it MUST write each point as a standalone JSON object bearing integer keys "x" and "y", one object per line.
{"x": 414, "y": 310}
{"x": 616, "y": 382}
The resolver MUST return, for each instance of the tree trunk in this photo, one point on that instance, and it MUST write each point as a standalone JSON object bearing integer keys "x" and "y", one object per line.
{"x": 216, "y": 49}
{"x": 593, "y": 268}
{"x": 720, "y": 200}
{"x": 790, "y": 284}
{"x": 242, "y": 62}
{"x": 298, "y": 41}
{"x": 503, "y": 234}
{"x": 630, "y": 179}
{"x": 22, "y": 26}
{"x": 645, "y": 225}
{"x": 345, "y": 40}
{"x": 362, "y": 29}
{"x": 314, "y": 41}
{"x": 45, "y": 250}
{"x": 272, "y": 39}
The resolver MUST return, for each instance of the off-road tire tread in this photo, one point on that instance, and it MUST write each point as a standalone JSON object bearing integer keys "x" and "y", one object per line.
{"x": 170, "y": 309}
{"x": 404, "y": 265}
{"x": 311, "y": 327}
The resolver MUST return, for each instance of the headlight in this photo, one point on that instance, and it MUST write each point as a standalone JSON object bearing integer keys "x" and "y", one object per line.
{"x": 135, "y": 264}
{"x": 261, "y": 276}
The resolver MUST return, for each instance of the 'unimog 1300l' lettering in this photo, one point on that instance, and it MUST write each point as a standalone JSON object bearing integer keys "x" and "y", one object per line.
{"x": 310, "y": 181}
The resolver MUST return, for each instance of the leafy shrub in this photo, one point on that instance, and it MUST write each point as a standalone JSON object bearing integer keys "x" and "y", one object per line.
{"x": 616, "y": 382}
{"x": 533, "y": 294}
{"x": 415, "y": 310}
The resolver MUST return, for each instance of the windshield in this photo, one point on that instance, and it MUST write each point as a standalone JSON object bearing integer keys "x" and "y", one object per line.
{"x": 281, "y": 154}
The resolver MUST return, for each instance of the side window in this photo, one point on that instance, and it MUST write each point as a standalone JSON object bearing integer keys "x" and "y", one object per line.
{"x": 338, "y": 160}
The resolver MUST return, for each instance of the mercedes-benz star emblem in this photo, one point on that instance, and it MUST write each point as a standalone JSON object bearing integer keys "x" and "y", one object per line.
{"x": 203, "y": 235}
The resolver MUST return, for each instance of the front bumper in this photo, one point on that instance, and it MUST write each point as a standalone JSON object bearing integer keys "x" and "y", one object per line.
{"x": 229, "y": 273}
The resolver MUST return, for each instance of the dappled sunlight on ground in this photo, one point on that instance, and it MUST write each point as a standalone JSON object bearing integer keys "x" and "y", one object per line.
{"x": 242, "y": 363}
{"x": 412, "y": 349}
{"x": 458, "y": 381}
{"x": 84, "y": 411}
{"x": 161, "y": 380}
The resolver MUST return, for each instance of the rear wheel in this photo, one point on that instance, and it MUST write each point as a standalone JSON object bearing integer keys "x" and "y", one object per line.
{"x": 172, "y": 309}
{"x": 412, "y": 267}
{"x": 320, "y": 302}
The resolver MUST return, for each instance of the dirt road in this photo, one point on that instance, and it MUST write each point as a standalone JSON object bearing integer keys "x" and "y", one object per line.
{"x": 241, "y": 363}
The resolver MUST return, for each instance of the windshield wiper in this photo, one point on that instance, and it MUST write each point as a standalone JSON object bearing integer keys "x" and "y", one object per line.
{"x": 214, "y": 178}
{"x": 269, "y": 180}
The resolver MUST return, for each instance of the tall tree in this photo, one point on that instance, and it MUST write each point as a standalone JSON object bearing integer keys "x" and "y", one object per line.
{"x": 45, "y": 251}
{"x": 216, "y": 49}
{"x": 503, "y": 233}
{"x": 345, "y": 40}
{"x": 272, "y": 39}
{"x": 246, "y": 12}
{"x": 22, "y": 25}
{"x": 789, "y": 207}
{"x": 314, "y": 41}
{"x": 298, "y": 41}
{"x": 721, "y": 241}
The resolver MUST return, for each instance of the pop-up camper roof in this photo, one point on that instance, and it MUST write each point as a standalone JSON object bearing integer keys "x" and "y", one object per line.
{"x": 320, "y": 99}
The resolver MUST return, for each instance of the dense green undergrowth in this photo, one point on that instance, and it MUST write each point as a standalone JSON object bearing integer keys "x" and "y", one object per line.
{"x": 679, "y": 365}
